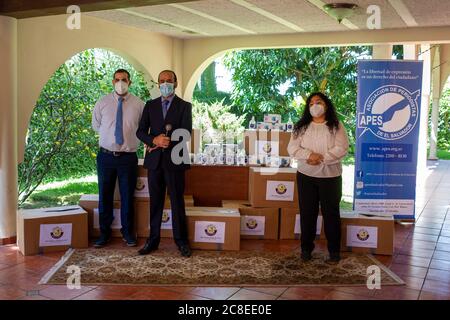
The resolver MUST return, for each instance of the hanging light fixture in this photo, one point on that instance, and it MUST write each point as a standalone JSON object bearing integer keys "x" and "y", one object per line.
{"x": 340, "y": 11}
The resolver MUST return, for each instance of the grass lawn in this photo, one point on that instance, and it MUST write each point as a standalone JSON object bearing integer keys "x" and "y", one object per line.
{"x": 61, "y": 193}
{"x": 443, "y": 154}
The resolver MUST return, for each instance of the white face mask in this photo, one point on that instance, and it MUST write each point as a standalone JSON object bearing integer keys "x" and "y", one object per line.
{"x": 121, "y": 87}
{"x": 317, "y": 110}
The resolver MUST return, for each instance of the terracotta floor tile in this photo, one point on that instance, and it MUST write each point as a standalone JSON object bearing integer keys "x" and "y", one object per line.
{"x": 361, "y": 291}
{"x": 98, "y": 294}
{"x": 423, "y": 253}
{"x": 439, "y": 275}
{"x": 409, "y": 271}
{"x": 413, "y": 261}
{"x": 275, "y": 291}
{"x": 445, "y": 240}
{"x": 417, "y": 244}
{"x": 340, "y": 295}
{"x": 10, "y": 293}
{"x": 34, "y": 297}
{"x": 426, "y": 231}
{"x": 436, "y": 287}
{"x": 396, "y": 293}
{"x": 445, "y": 233}
{"x": 425, "y": 295}
{"x": 443, "y": 247}
{"x": 244, "y": 294}
{"x": 61, "y": 292}
{"x": 424, "y": 237}
{"x": 441, "y": 255}
{"x": 440, "y": 264}
{"x": 413, "y": 282}
{"x": 161, "y": 294}
{"x": 306, "y": 293}
{"x": 217, "y": 293}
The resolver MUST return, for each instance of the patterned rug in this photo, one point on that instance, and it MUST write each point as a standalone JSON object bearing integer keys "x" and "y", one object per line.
{"x": 215, "y": 268}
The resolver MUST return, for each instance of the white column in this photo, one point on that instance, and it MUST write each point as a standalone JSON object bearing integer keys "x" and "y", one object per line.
{"x": 383, "y": 51}
{"x": 436, "y": 92}
{"x": 177, "y": 64}
{"x": 410, "y": 52}
{"x": 8, "y": 127}
{"x": 425, "y": 55}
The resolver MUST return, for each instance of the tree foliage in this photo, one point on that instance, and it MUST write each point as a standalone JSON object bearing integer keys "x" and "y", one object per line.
{"x": 259, "y": 76}
{"x": 60, "y": 142}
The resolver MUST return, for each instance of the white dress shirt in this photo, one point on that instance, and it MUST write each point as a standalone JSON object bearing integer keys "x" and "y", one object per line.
{"x": 104, "y": 121}
{"x": 318, "y": 138}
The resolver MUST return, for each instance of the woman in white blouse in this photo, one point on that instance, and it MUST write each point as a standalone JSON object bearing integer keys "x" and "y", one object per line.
{"x": 318, "y": 143}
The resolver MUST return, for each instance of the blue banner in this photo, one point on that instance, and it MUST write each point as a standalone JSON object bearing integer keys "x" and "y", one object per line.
{"x": 387, "y": 133}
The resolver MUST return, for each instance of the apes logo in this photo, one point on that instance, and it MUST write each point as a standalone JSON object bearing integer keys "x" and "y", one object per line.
{"x": 390, "y": 112}
{"x": 140, "y": 185}
{"x": 281, "y": 189}
{"x": 363, "y": 235}
{"x": 165, "y": 216}
{"x": 211, "y": 230}
{"x": 251, "y": 223}
{"x": 57, "y": 233}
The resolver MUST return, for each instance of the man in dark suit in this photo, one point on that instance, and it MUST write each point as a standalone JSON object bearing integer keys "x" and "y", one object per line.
{"x": 160, "y": 118}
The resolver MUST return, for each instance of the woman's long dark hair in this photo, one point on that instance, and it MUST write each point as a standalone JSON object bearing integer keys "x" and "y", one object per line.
{"x": 330, "y": 115}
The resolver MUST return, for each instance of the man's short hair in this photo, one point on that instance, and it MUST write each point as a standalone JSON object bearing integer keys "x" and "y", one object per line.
{"x": 122, "y": 71}
{"x": 174, "y": 74}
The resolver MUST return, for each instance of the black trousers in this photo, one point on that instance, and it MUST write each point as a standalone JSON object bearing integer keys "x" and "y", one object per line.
{"x": 109, "y": 168}
{"x": 327, "y": 192}
{"x": 174, "y": 180}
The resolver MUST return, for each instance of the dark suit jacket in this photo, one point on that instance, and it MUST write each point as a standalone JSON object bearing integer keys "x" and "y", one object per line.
{"x": 152, "y": 124}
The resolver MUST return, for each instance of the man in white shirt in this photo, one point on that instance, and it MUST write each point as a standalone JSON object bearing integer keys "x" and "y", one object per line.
{"x": 116, "y": 118}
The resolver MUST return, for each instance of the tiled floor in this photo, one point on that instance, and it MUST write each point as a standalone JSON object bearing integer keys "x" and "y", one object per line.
{"x": 421, "y": 259}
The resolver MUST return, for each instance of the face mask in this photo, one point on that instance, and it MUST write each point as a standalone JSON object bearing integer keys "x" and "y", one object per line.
{"x": 317, "y": 110}
{"x": 166, "y": 89}
{"x": 121, "y": 87}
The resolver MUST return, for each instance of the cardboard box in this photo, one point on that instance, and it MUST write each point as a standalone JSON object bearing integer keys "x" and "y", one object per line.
{"x": 213, "y": 228}
{"x": 290, "y": 224}
{"x": 142, "y": 209}
{"x": 51, "y": 229}
{"x": 256, "y": 223}
{"x": 264, "y": 142}
{"x": 89, "y": 202}
{"x": 365, "y": 234}
{"x": 273, "y": 187}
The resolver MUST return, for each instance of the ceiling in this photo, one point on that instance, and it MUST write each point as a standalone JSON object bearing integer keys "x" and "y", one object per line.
{"x": 216, "y": 18}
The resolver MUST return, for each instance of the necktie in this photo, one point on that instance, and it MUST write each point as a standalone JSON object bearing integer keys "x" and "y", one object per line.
{"x": 118, "y": 133}
{"x": 165, "y": 105}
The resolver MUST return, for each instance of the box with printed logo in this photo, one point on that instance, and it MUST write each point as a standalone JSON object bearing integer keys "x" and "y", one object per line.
{"x": 256, "y": 223}
{"x": 211, "y": 228}
{"x": 290, "y": 227}
{"x": 264, "y": 143}
{"x": 89, "y": 202}
{"x": 367, "y": 234}
{"x": 51, "y": 229}
{"x": 142, "y": 209}
{"x": 273, "y": 187}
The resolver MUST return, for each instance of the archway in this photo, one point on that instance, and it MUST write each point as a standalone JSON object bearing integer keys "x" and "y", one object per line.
{"x": 60, "y": 142}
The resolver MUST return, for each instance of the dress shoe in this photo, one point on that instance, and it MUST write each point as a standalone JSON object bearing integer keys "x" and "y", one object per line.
{"x": 185, "y": 251}
{"x": 148, "y": 248}
{"x": 102, "y": 241}
{"x": 306, "y": 256}
{"x": 334, "y": 258}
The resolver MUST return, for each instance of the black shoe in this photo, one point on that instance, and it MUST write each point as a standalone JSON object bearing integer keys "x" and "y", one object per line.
{"x": 130, "y": 241}
{"x": 102, "y": 241}
{"x": 306, "y": 256}
{"x": 185, "y": 251}
{"x": 334, "y": 258}
{"x": 148, "y": 248}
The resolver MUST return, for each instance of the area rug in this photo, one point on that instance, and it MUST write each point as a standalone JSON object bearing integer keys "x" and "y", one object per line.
{"x": 215, "y": 268}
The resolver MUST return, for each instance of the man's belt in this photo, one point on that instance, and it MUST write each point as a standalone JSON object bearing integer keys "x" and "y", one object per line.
{"x": 115, "y": 153}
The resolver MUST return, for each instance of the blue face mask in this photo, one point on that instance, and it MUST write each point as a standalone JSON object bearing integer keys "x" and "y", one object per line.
{"x": 166, "y": 89}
